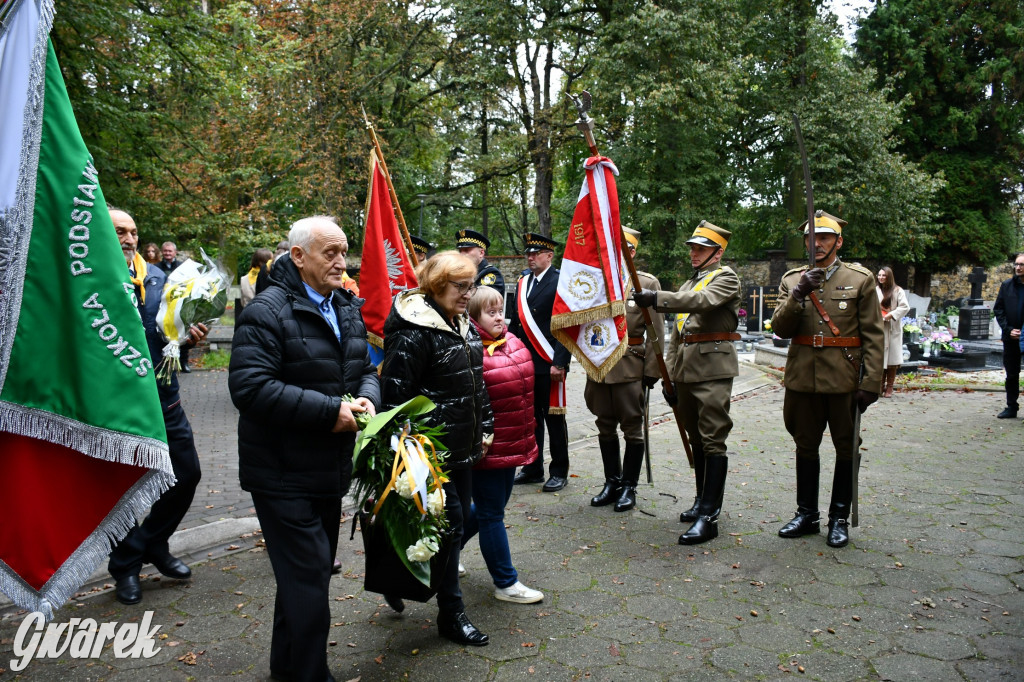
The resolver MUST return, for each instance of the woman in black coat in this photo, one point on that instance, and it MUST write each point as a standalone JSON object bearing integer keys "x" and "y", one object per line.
{"x": 432, "y": 349}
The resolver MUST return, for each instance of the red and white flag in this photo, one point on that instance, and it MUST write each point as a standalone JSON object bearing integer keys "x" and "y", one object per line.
{"x": 589, "y": 315}
{"x": 385, "y": 269}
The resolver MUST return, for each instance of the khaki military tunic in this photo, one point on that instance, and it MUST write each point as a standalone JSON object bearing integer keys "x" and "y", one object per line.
{"x": 703, "y": 372}
{"x": 821, "y": 382}
{"x": 617, "y": 399}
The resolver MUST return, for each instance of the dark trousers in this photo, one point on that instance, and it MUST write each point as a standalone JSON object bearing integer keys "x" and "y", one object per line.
{"x": 302, "y": 538}
{"x": 148, "y": 541}
{"x": 1011, "y": 363}
{"x": 806, "y": 415}
{"x": 556, "y": 429}
{"x": 458, "y": 494}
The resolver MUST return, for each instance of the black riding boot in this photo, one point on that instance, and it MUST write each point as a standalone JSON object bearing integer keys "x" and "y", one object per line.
{"x": 612, "y": 473}
{"x": 807, "y": 519}
{"x": 632, "y": 461}
{"x": 706, "y": 526}
{"x": 839, "y": 509}
{"x": 691, "y": 514}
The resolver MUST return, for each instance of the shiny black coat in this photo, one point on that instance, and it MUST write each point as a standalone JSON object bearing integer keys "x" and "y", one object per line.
{"x": 423, "y": 355}
{"x": 288, "y": 374}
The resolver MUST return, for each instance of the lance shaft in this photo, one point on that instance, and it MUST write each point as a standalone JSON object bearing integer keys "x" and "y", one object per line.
{"x": 391, "y": 189}
{"x": 653, "y": 334}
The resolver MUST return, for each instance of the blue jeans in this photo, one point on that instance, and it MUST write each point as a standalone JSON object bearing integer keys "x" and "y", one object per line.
{"x": 491, "y": 490}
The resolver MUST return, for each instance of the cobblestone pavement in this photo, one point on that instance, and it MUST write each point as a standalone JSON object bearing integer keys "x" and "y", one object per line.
{"x": 930, "y": 586}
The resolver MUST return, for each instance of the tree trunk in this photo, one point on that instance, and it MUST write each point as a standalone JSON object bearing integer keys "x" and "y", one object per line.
{"x": 922, "y": 282}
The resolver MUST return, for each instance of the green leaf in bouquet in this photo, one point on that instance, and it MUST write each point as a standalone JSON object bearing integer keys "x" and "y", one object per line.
{"x": 419, "y": 405}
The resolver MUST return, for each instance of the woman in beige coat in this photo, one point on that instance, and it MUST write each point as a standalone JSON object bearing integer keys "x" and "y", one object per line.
{"x": 894, "y": 307}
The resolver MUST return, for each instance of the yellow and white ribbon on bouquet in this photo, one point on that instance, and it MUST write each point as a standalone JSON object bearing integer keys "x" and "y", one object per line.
{"x": 420, "y": 475}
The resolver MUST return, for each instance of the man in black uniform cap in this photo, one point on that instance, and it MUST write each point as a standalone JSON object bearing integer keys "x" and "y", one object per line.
{"x": 473, "y": 244}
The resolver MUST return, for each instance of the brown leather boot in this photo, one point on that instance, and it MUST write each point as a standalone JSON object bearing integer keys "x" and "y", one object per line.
{"x": 889, "y": 380}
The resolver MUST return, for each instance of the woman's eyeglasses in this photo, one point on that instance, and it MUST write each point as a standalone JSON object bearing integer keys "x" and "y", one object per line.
{"x": 464, "y": 288}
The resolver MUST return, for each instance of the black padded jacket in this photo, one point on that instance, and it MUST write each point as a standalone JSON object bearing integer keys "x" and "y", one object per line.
{"x": 288, "y": 374}
{"x": 424, "y": 355}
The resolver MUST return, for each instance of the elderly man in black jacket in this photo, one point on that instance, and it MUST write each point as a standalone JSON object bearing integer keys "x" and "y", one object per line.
{"x": 298, "y": 349}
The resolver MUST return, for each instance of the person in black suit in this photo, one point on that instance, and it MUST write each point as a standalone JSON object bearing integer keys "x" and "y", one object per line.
{"x": 1009, "y": 312}
{"x": 532, "y": 323}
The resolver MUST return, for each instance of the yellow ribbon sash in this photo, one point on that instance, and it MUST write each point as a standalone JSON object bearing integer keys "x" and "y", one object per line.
{"x": 681, "y": 318}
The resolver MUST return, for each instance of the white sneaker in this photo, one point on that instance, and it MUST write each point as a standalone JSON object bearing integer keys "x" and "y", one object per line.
{"x": 518, "y": 593}
{"x": 462, "y": 570}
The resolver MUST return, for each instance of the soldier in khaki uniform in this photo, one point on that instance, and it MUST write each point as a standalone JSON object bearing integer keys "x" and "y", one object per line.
{"x": 702, "y": 362}
{"x": 617, "y": 400}
{"x": 824, "y": 382}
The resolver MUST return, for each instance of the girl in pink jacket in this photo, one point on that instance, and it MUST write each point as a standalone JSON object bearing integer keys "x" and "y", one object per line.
{"x": 508, "y": 376}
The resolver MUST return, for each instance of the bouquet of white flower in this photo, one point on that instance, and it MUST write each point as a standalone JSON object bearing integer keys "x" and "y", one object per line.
{"x": 397, "y": 467}
{"x": 193, "y": 294}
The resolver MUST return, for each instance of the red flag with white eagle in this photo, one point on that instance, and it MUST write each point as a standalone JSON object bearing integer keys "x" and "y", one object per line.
{"x": 385, "y": 269}
{"x": 589, "y": 315}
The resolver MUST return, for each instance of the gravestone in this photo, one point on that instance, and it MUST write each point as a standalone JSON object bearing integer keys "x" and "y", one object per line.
{"x": 760, "y": 303}
{"x": 974, "y": 317}
{"x": 918, "y": 303}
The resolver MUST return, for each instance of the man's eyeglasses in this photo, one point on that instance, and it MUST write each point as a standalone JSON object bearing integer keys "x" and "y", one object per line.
{"x": 464, "y": 288}
{"x": 1018, "y": 265}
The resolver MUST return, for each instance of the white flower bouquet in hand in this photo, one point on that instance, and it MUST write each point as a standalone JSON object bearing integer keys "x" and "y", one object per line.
{"x": 194, "y": 294}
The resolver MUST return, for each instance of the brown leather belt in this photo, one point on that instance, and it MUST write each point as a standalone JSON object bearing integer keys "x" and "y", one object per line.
{"x": 636, "y": 340}
{"x": 711, "y": 336}
{"x": 822, "y": 341}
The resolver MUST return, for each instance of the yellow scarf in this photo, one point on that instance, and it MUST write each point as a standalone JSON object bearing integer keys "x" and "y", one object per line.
{"x": 252, "y": 275}
{"x": 140, "y": 275}
{"x": 681, "y": 320}
{"x": 492, "y": 344}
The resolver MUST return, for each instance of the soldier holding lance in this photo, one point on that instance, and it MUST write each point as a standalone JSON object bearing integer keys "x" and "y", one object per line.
{"x": 617, "y": 401}
{"x": 702, "y": 363}
{"x": 834, "y": 369}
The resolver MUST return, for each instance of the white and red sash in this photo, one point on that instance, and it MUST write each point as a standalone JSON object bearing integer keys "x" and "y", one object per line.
{"x": 534, "y": 334}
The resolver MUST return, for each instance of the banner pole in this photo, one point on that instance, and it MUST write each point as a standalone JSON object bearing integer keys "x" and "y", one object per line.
{"x": 391, "y": 189}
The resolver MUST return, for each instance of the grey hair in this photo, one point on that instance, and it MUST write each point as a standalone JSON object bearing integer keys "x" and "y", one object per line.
{"x": 170, "y": 244}
{"x": 301, "y": 232}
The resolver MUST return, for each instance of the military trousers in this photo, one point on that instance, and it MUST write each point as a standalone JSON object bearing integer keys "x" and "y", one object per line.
{"x": 704, "y": 409}
{"x": 615, "y": 405}
{"x": 808, "y": 414}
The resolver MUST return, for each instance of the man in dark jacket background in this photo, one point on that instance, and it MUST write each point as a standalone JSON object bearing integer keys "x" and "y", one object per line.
{"x": 148, "y": 542}
{"x": 1009, "y": 312}
{"x": 298, "y": 349}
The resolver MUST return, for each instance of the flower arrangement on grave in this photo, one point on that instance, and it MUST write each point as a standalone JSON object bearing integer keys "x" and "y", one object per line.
{"x": 742, "y": 313}
{"x": 767, "y": 326}
{"x": 910, "y": 325}
{"x": 193, "y": 294}
{"x": 397, "y": 467}
{"x": 946, "y": 341}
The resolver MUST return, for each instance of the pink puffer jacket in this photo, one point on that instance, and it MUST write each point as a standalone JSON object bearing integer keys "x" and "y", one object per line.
{"x": 508, "y": 376}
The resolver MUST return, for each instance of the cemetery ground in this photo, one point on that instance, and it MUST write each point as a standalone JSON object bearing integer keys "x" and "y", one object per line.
{"x": 929, "y": 587}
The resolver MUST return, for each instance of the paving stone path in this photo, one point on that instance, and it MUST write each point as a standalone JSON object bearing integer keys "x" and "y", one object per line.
{"x": 929, "y": 588}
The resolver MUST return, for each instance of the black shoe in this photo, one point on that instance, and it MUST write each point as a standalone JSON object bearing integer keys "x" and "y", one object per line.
{"x": 703, "y": 529}
{"x": 611, "y": 491}
{"x": 128, "y": 590}
{"x": 554, "y": 484}
{"x": 691, "y": 514}
{"x": 185, "y": 369}
{"x": 627, "y": 500}
{"x": 1008, "y": 413}
{"x": 525, "y": 476}
{"x": 336, "y": 567}
{"x": 395, "y": 602}
{"x": 458, "y": 629}
{"x": 803, "y": 523}
{"x": 838, "y": 533}
{"x": 172, "y": 567}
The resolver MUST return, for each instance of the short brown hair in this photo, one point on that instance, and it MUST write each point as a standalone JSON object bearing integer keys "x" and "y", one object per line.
{"x": 484, "y": 297}
{"x": 434, "y": 274}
